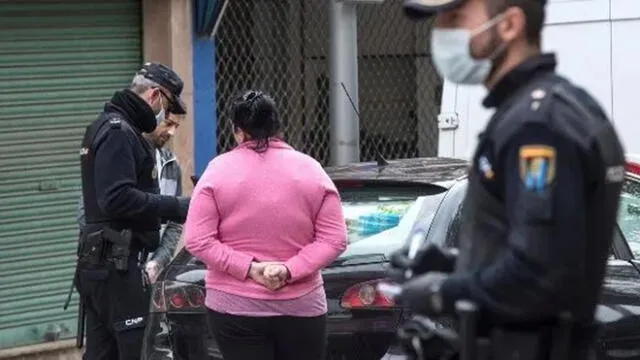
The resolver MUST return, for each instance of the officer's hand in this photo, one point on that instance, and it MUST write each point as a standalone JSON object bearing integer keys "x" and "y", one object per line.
{"x": 428, "y": 258}
{"x": 153, "y": 270}
{"x": 400, "y": 263}
{"x": 421, "y": 294}
{"x": 400, "y": 259}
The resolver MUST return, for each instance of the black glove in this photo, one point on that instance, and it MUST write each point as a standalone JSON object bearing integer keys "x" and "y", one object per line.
{"x": 422, "y": 295}
{"x": 432, "y": 346}
{"x": 428, "y": 258}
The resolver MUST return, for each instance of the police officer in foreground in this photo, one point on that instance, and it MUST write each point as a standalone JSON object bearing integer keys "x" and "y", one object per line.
{"x": 544, "y": 184}
{"x": 123, "y": 212}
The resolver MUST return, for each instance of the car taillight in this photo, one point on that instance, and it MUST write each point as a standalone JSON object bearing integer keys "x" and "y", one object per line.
{"x": 173, "y": 296}
{"x": 633, "y": 168}
{"x": 177, "y": 301}
{"x": 365, "y": 295}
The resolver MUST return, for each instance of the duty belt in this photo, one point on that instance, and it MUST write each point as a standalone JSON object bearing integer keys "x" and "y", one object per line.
{"x": 553, "y": 340}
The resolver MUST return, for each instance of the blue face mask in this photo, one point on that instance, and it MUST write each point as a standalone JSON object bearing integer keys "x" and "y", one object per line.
{"x": 451, "y": 51}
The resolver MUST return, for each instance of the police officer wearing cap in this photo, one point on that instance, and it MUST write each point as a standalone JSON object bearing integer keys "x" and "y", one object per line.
{"x": 544, "y": 183}
{"x": 124, "y": 210}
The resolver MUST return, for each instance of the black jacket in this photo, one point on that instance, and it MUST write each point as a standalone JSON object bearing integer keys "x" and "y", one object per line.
{"x": 542, "y": 201}
{"x": 119, "y": 175}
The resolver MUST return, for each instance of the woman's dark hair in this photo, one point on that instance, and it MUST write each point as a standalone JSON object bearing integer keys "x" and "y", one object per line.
{"x": 255, "y": 113}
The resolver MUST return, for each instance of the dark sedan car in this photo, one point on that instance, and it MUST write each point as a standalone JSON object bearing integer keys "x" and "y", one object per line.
{"x": 386, "y": 204}
{"x": 382, "y": 202}
{"x": 619, "y": 310}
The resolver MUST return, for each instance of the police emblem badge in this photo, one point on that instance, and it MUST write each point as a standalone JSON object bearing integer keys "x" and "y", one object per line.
{"x": 537, "y": 166}
{"x": 485, "y": 167}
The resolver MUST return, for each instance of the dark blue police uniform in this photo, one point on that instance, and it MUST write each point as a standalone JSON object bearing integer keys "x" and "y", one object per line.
{"x": 123, "y": 212}
{"x": 540, "y": 211}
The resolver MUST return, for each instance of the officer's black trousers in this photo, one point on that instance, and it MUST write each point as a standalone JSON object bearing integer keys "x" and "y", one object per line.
{"x": 117, "y": 306}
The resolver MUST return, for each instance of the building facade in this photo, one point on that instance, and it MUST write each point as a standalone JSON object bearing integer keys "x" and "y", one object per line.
{"x": 59, "y": 62}
{"x": 284, "y": 48}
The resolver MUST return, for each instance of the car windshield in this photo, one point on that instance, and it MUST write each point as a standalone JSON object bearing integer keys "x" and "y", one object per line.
{"x": 372, "y": 210}
{"x": 629, "y": 214}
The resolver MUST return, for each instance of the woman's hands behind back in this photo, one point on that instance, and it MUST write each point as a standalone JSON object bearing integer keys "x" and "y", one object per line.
{"x": 276, "y": 272}
{"x": 272, "y": 275}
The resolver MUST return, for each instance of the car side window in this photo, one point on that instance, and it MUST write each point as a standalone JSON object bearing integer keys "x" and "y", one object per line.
{"x": 453, "y": 231}
{"x": 445, "y": 228}
{"x": 629, "y": 214}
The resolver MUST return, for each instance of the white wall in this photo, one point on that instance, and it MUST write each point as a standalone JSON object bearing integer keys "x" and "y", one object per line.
{"x": 596, "y": 42}
{"x": 625, "y": 55}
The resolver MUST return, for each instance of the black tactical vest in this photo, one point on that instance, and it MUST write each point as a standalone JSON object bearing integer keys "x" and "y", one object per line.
{"x": 484, "y": 227}
{"x": 145, "y": 230}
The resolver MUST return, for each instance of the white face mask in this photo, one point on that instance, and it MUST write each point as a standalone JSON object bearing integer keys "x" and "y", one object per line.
{"x": 451, "y": 51}
{"x": 160, "y": 116}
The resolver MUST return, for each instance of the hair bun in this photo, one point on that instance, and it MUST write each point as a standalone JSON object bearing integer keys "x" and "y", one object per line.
{"x": 255, "y": 113}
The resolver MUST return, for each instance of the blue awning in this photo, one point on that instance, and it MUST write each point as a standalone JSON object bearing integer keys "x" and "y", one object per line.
{"x": 206, "y": 13}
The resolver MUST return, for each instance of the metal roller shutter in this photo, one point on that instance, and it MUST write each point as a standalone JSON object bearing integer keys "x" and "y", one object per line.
{"x": 59, "y": 62}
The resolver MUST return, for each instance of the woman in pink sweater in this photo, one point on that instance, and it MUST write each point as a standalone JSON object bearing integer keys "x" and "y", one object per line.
{"x": 265, "y": 219}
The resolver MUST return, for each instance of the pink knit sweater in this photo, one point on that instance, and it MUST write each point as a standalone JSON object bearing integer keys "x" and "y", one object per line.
{"x": 279, "y": 205}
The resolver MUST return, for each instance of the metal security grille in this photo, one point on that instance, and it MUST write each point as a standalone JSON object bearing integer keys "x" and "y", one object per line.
{"x": 282, "y": 48}
{"x": 59, "y": 62}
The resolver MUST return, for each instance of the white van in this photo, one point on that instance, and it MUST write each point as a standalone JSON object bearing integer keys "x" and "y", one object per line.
{"x": 597, "y": 43}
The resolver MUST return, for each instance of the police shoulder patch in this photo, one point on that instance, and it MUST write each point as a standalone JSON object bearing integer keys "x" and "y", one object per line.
{"x": 485, "y": 168}
{"x": 537, "y": 166}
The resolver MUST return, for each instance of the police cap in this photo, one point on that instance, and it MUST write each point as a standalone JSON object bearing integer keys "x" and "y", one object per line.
{"x": 419, "y": 9}
{"x": 167, "y": 78}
